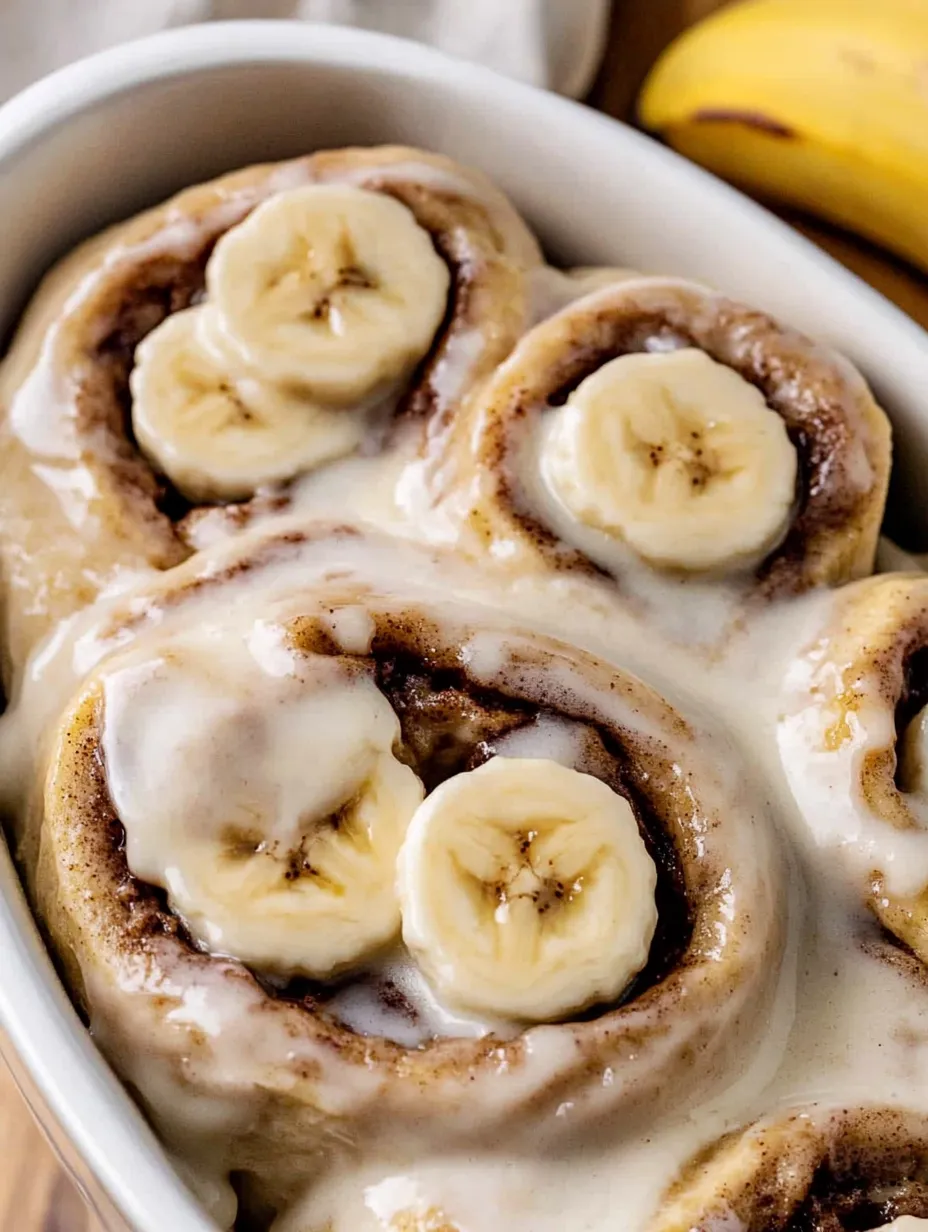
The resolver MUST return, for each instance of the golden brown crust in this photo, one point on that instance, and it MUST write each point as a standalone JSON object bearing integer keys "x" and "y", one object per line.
{"x": 808, "y": 1170}
{"x": 841, "y": 436}
{"x": 111, "y": 931}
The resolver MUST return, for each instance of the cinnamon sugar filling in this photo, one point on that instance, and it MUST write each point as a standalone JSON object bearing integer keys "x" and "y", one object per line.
{"x": 449, "y": 724}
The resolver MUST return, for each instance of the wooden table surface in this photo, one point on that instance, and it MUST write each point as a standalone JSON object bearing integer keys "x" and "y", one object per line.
{"x": 35, "y": 1195}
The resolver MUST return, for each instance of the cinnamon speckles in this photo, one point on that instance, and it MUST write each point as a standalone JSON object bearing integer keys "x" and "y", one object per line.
{"x": 456, "y": 709}
{"x": 395, "y": 999}
{"x": 809, "y": 1170}
{"x": 126, "y": 284}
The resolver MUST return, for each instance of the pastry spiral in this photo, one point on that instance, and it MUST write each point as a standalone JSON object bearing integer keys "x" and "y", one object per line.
{"x": 655, "y": 428}
{"x": 468, "y": 693}
{"x": 808, "y": 1170}
{"x": 91, "y": 494}
{"x": 852, "y": 742}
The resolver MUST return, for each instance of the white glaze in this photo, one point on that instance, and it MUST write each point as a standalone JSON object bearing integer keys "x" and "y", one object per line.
{"x": 858, "y": 1017}
{"x": 360, "y": 1005}
{"x": 845, "y": 1024}
{"x": 855, "y": 1029}
{"x": 828, "y": 782}
{"x": 224, "y": 775}
{"x": 259, "y": 608}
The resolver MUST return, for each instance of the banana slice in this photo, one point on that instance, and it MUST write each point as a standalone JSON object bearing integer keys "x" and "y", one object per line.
{"x": 220, "y": 436}
{"x": 526, "y": 890}
{"x": 678, "y": 456}
{"x": 270, "y": 807}
{"x": 330, "y": 288}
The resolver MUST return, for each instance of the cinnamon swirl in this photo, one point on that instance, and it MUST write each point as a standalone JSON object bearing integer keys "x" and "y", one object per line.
{"x": 254, "y": 329}
{"x": 809, "y": 1170}
{"x": 658, "y": 434}
{"x": 592, "y": 913}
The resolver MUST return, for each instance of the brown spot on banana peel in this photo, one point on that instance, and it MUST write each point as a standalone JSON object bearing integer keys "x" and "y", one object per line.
{"x": 749, "y": 119}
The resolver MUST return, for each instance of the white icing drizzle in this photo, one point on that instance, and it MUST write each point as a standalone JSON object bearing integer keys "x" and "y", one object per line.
{"x": 858, "y": 1019}
{"x": 226, "y": 777}
{"x": 846, "y": 1024}
{"x": 828, "y": 782}
{"x": 394, "y": 1000}
{"x": 555, "y": 739}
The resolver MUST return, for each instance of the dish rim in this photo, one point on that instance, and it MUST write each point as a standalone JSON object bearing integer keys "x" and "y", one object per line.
{"x": 42, "y": 1028}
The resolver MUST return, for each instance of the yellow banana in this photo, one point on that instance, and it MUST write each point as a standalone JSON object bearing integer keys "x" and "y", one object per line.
{"x": 819, "y": 103}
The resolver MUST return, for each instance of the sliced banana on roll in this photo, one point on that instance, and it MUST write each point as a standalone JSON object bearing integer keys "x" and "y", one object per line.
{"x": 330, "y": 288}
{"x": 218, "y": 434}
{"x": 677, "y": 455}
{"x": 274, "y": 806}
{"x": 527, "y": 891}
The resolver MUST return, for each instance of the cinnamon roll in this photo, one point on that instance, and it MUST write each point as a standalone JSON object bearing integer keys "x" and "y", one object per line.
{"x": 177, "y": 375}
{"x": 656, "y": 433}
{"x": 854, "y": 744}
{"x": 329, "y": 866}
{"x": 808, "y": 1170}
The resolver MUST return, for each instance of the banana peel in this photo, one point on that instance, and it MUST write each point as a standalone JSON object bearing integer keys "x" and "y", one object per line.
{"x": 820, "y": 104}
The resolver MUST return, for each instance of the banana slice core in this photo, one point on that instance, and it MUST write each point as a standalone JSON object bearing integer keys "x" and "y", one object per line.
{"x": 527, "y": 891}
{"x": 331, "y": 288}
{"x": 676, "y": 455}
{"x": 216, "y": 433}
{"x": 271, "y": 808}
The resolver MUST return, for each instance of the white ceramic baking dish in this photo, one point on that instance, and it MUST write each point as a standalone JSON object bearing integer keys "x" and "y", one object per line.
{"x": 114, "y": 133}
